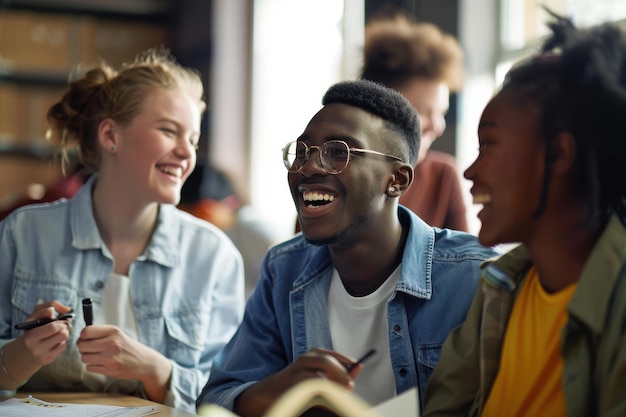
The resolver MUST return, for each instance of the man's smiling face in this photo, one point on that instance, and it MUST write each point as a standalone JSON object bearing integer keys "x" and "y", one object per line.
{"x": 335, "y": 208}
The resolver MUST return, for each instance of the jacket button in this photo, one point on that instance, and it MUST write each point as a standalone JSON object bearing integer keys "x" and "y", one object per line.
{"x": 396, "y": 328}
{"x": 403, "y": 372}
{"x": 99, "y": 285}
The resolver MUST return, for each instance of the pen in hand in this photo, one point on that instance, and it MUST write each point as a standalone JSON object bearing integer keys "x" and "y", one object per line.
{"x": 27, "y": 325}
{"x": 360, "y": 360}
{"x": 87, "y": 311}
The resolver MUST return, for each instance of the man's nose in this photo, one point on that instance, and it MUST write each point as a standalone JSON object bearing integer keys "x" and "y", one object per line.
{"x": 313, "y": 165}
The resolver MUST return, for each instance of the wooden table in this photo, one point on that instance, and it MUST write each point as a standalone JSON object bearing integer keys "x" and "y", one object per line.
{"x": 102, "y": 399}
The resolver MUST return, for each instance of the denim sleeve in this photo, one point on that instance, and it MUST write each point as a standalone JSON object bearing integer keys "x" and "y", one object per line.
{"x": 260, "y": 347}
{"x": 7, "y": 261}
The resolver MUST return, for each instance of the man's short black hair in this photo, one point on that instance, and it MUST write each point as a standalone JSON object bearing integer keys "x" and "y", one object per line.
{"x": 397, "y": 112}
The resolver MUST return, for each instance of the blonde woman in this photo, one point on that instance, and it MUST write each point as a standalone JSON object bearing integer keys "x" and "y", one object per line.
{"x": 167, "y": 288}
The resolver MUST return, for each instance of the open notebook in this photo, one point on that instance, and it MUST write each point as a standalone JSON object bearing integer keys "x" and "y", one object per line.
{"x": 322, "y": 392}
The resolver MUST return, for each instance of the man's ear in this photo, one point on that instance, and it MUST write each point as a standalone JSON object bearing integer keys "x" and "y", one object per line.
{"x": 563, "y": 153}
{"x": 108, "y": 135}
{"x": 401, "y": 180}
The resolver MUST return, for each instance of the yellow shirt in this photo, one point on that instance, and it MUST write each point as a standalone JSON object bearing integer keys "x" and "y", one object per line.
{"x": 529, "y": 381}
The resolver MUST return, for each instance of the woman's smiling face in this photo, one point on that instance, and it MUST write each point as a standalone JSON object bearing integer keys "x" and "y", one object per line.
{"x": 509, "y": 170}
{"x": 156, "y": 151}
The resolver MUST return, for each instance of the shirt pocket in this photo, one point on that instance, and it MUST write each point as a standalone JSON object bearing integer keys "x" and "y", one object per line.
{"x": 428, "y": 355}
{"x": 427, "y": 359}
{"x": 28, "y": 292}
{"x": 185, "y": 335}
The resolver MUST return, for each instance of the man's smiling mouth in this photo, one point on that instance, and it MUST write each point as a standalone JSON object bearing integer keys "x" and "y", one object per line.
{"x": 315, "y": 199}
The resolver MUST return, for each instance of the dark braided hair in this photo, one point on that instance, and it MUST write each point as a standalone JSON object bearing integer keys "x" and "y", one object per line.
{"x": 578, "y": 80}
{"x": 397, "y": 112}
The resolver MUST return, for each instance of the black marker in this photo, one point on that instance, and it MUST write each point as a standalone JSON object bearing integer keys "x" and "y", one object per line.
{"x": 27, "y": 325}
{"x": 87, "y": 311}
{"x": 361, "y": 360}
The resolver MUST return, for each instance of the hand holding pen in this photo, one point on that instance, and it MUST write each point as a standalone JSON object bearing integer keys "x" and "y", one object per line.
{"x": 316, "y": 363}
{"x": 347, "y": 363}
{"x": 45, "y": 336}
{"x": 53, "y": 307}
{"x": 361, "y": 360}
{"x": 31, "y": 324}
{"x": 87, "y": 315}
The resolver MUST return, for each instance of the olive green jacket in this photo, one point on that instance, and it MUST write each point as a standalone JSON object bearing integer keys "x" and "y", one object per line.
{"x": 594, "y": 348}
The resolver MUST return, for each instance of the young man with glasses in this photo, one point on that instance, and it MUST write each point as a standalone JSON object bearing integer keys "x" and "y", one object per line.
{"x": 365, "y": 274}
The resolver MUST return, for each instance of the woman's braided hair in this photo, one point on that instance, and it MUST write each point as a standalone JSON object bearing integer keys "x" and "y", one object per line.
{"x": 578, "y": 80}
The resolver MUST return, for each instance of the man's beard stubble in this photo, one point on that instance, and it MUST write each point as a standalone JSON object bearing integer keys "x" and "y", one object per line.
{"x": 340, "y": 237}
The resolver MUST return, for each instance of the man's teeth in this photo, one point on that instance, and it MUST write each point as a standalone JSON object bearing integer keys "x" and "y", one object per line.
{"x": 481, "y": 199}
{"x": 175, "y": 171}
{"x": 313, "y": 196}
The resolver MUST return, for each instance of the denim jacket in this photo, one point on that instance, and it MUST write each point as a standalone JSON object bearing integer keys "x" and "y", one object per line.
{"x": 187, "y": 289}
{"x": 286, "y": 314}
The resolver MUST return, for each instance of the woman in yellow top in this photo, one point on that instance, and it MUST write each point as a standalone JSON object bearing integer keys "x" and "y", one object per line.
{"x": 546, "y": 335}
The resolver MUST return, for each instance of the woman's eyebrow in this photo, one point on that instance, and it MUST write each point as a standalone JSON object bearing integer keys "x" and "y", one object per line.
{"x": 486, "y": 123}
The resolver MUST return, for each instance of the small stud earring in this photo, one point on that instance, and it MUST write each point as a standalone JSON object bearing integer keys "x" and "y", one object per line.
{"x": 112, "y": 148}
{"x": 392, "y": 189}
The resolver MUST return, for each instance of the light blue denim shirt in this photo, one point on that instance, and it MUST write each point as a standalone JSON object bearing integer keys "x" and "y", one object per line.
{"x": 286, "y": 314}
{"x": 187, "y": 289}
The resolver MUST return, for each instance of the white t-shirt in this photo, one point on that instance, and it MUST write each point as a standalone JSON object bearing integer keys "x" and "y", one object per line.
{"x": 358, "y": 324}
{"x": 116, "y": 309}
{"x": 117, "y": 306}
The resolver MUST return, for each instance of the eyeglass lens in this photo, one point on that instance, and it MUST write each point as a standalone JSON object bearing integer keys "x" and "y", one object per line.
{"x": 334, "y": 155}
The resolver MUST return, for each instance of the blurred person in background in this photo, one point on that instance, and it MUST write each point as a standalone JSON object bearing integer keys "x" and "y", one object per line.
{"x": 72, "y": 178}
{"x": 209, "y": 195}
{"x": 424, "y": 64}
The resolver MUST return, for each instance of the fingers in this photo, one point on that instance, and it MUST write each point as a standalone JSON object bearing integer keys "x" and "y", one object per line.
{"x": 316, "y": 363}
{"x": 99, "y": 332}
{"x": 46, "y": 342}
{"x": 327, "y": 364}
{"x": 68, "y": 324}
{"x": 48, "y": 332}
{"x": 351, "y": 365}
{"x": 49, "y": 309}
{"x": 59, "y": 307}
{"x": 115, "y": 354}
{"x": 52, "y": 354}
{"x": 101, "y": 341}
{"x": 345, "y": 360}
{"x": 41, "y": 312}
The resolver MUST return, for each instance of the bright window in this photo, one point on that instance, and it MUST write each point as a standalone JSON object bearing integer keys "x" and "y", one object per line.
{"x": 523, "y": 23}
{"x": 299, "y": 50}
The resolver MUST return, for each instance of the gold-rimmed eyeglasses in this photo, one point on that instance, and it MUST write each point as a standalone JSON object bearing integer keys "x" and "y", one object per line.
{"x": 334, "y": 155}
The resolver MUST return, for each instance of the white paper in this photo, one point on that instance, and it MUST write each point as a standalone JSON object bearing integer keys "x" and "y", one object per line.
{"x": 401, "y": 405}
{"x": 34, "y": 407}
